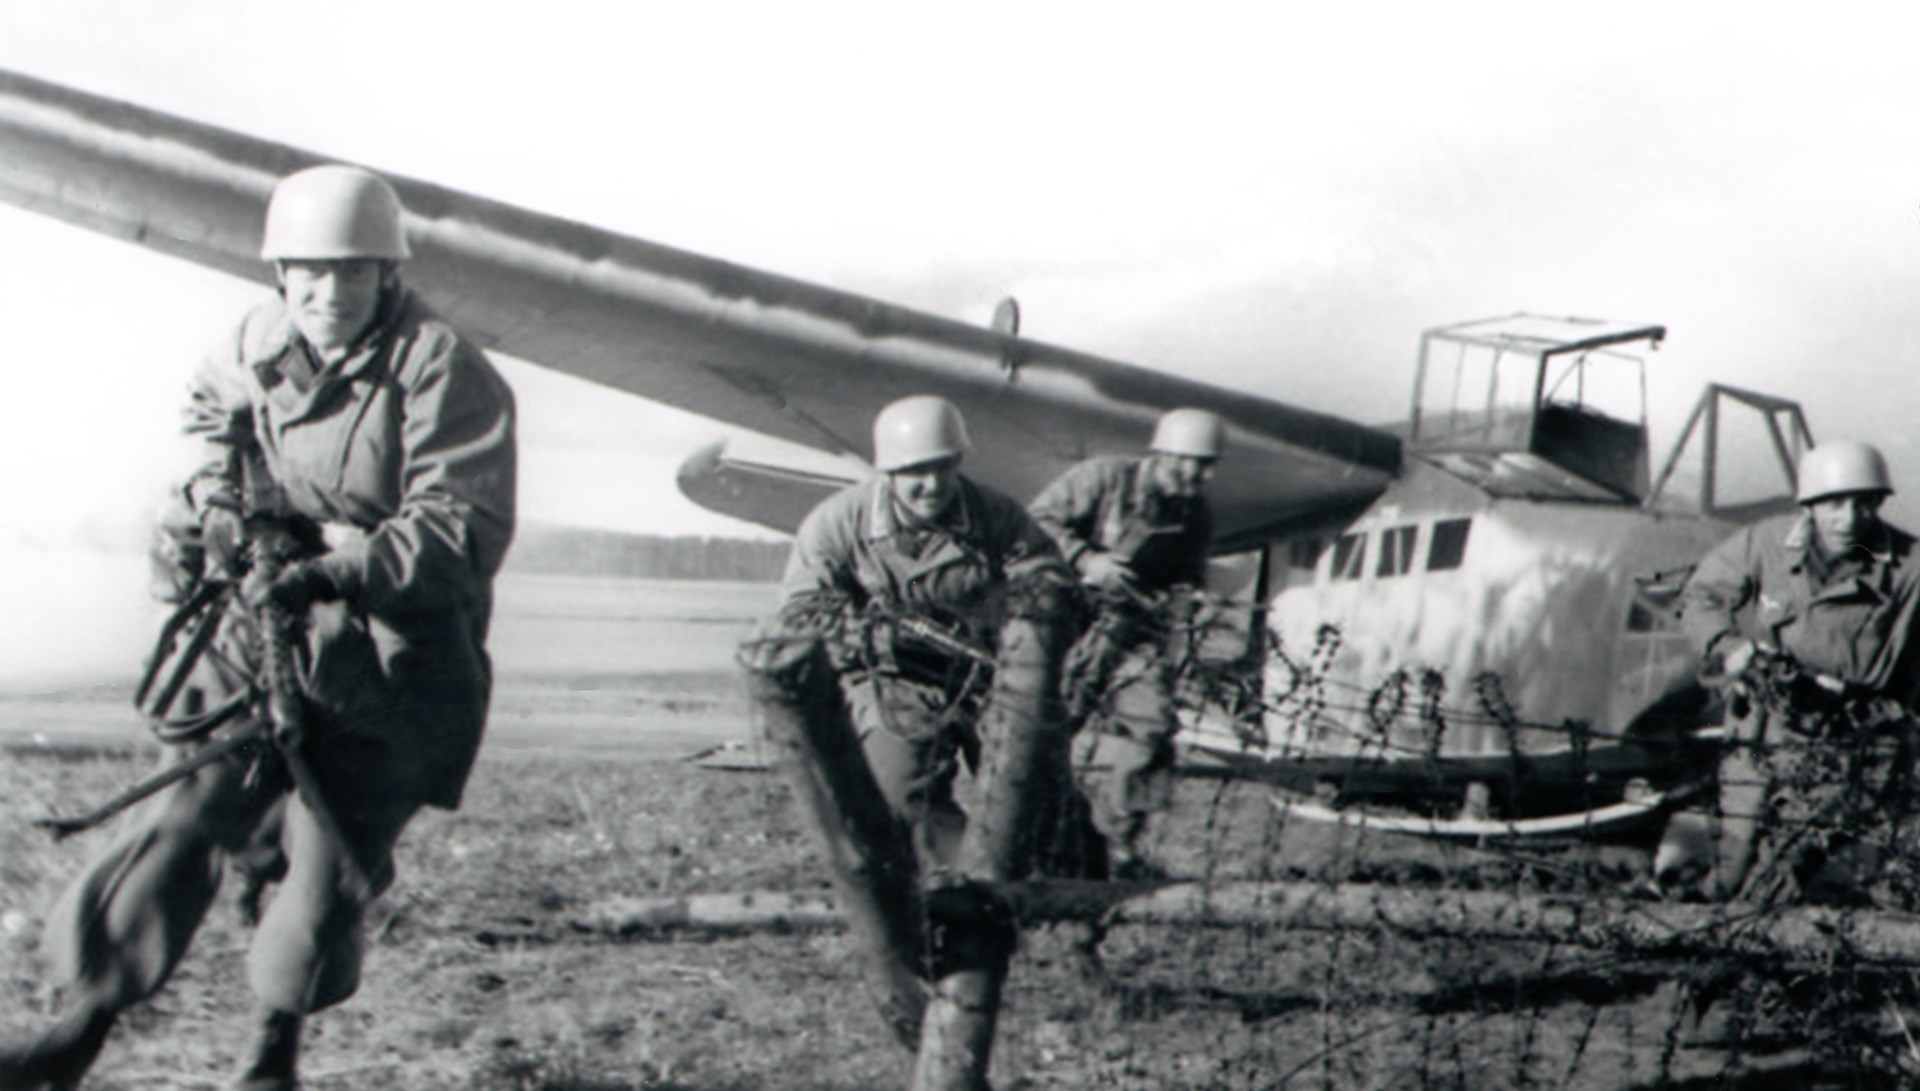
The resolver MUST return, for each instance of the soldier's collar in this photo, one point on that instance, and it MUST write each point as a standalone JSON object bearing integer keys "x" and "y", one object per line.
{"x": 1804, "y": 540}
{"x": 1139, "y": 484}
{"x": 1143, "y": 490}
{"x": 883, "y": 519}
{"x": 286, "y": 354}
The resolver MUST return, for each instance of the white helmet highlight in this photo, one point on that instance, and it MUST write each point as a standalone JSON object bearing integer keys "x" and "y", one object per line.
{"x": 916, "y": 430}
{"x": 330, "y": 213}
{"x": 1194, "y": 432}
{"x": 1841, "y": 466}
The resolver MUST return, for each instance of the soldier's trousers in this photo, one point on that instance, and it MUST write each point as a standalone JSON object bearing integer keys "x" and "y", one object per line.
{"x": 912, "y": 734}
{"x": 1804, "y": 817}
{"x": 1138, "y": 726}
{"x": 117, "y": 932}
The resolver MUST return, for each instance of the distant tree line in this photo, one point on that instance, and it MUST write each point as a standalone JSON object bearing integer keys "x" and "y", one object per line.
{"x": 554, "y": 549}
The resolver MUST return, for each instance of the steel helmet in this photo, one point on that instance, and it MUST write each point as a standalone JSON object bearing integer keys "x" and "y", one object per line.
{"x": 1841, "y": 466}
{"x": 918, "y": 429}
{"x": 327, "y": 213}
{"x": 1194, "y": 432}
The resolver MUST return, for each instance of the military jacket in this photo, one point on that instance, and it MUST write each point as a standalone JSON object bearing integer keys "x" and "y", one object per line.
{"x": 405, "y": 450}
{"x": 1105, "y": 505}
{"x": 955, "y": 571}
{"x": 1854, "y": 621}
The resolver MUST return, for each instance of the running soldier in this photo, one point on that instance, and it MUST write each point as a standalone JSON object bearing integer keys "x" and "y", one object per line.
{"x": 1137, "y": 530}
{"x": 1808, "y": 621}
{"x": 919, "y": 563}
{"x": 355, "y": 503}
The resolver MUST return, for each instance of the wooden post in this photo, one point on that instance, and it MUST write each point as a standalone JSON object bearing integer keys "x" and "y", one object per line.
{"x": 1811, "y": 936}
{"x": 975, "y": 937}
{"x": 1025, "y": 754}
{"x": 1023, "y": 732}
{"x": 869, "y": 853}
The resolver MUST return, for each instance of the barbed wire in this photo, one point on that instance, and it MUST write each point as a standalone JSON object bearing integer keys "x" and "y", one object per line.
{"x": 1394, "y": 1005}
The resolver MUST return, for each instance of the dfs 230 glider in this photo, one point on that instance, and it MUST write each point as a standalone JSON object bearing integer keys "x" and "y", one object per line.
{"x": 1471, "y": 613}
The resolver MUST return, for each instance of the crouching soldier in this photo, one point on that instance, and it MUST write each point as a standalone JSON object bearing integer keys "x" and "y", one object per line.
{"x": 1137, "y": 530}
{"x": 918, "y": 566}
{"x": 355, "y": 502}
{"x": 1808, "y": 620}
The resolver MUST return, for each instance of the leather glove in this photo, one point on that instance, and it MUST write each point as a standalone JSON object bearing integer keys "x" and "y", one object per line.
{"x": 295, "y": 589}
{"x": 223, "y": 534}
{"x": 816, "y": 612}
{"x": 1730, "y": 657}
{"x": 1105, "y": 570}
{"x": 828, "y": 615}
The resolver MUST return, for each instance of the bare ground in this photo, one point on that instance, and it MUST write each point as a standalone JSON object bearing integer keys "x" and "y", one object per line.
{"x": 480, "y": 975}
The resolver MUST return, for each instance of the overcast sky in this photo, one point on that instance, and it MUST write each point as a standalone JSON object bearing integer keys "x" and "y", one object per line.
{"x": 1279, "y": 201}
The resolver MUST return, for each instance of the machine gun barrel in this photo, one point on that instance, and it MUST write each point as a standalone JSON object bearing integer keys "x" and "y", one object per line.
{"x": 1780, "y": 678}
{"x": 927, "y": 632}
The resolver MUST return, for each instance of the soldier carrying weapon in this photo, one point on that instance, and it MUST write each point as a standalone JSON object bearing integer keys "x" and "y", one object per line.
{"x": 1137, "y": 529}
{"x": 928, "y": 560}
{"x": 356, "y": 499}
{"x": 923, "y": 621}
{"x": 1809, "y": 621}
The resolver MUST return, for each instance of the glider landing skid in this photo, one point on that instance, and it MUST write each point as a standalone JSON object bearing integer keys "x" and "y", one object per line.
{"x": 1637, "y": 810}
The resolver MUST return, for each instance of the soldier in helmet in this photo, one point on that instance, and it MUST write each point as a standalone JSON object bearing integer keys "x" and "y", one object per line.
{"x": 1136, "y": 529}
{"x": 1809, "y": 620}
{"x": 919, "y": 543}
{"x": 345, "y": 414}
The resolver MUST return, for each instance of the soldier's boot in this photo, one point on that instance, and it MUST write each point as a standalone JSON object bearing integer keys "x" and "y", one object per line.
{"x": 58, "y": 1059}
{"x": 276, "y": 1054}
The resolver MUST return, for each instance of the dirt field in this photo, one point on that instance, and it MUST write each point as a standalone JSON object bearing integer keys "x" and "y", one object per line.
{"x": 485, "y": 973}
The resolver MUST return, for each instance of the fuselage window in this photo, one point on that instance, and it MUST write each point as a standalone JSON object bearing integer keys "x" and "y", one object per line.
{"x": 1304, "y": 552}
{"x": 1640, "y": 619}
{"x": 1396, "y": 551}
{"x": 1655, "y": 606}
{"x": 1349, "y": 557}
{"x": 1644, "y": 616}
{"x": 1449, "y": 546}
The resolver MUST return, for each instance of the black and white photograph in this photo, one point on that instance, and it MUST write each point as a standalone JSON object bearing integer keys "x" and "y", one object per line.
{"x": 747, "y": 547}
